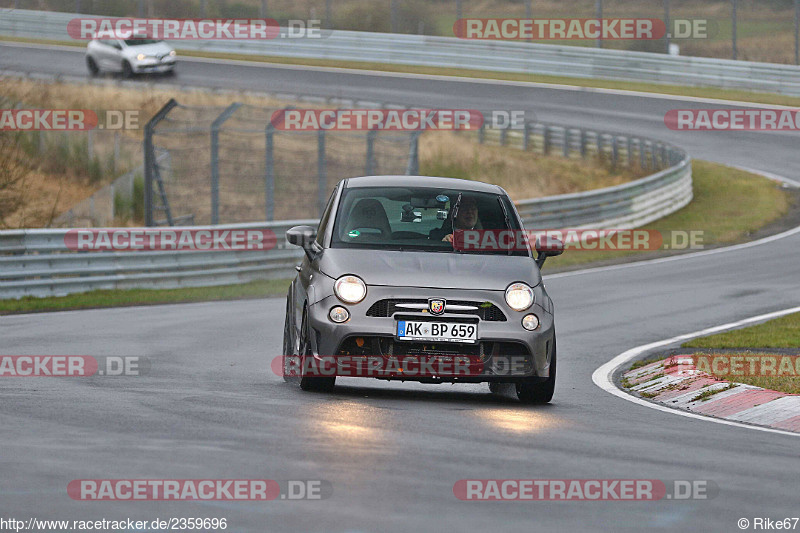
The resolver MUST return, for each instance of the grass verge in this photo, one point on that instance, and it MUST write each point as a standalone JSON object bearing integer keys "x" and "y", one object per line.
{"x": 124, "y": 298}
{"x": 781, "y": 332}
{"x": 675, "y": 90}
{"x": 728, "y": 206}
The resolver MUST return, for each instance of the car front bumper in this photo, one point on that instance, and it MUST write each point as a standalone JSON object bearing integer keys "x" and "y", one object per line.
{"x": 153, "y": 66}
{"x": 505, "y": 350}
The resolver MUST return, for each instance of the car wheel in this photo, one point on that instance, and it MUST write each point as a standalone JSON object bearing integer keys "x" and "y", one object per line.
{"x": 311, "y": 383}
{"x": 94, "y": 70}
{"x": 531, "y": 392}
{"x": 288, "y": 358}
{"x": 127, "y": 70}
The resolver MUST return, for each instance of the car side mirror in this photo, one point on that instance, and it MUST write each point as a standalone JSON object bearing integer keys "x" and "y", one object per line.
{"x": 117, "y": 46}
{"x": 304, "y": 236}
{"x": 547, "y": 247}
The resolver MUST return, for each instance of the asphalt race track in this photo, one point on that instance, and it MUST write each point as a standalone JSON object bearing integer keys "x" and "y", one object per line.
{"x": 211, "y": 408}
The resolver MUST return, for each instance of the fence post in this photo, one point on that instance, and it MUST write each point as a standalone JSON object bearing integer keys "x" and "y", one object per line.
{"x": 269, "y": 173}
{"x": 503, "y": 134}
{"x": 322, "y": 178}
{"x": 116, "y": 151}
{"x": 629, "y": 150}
{"x": 412, "y": 168}
{"x": 215, "y": 126}
{"x": 90, "y": 145}
{"x": 370, "y": 152}
{"x": 733, "y": 29}
{"x": 565, "y": 148}
{"x": 525, "y": 132}
{"x": 583, "y": 143}
{"x": 482, "y": 134}
{"x": 614, "y": 151}
{"x": 150, "y": 160}
{"x": 599, "y": 140}
{"x": 640, "y": 143}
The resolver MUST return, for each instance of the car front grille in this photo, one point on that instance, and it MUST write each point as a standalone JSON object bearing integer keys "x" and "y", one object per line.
{"x": 487, "y": 311}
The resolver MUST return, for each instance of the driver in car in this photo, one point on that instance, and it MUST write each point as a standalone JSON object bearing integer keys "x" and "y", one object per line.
{"x": 466, "y": 219}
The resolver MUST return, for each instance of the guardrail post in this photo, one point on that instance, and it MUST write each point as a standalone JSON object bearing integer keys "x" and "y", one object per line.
{"x": 482, "y": 134}
{"x": 546, "y": 141}
{"x": 322, "y": 176}
{"x": 215, "y": 126}
{"x": 150, "y": 160}
{"x": 565, "y": 148}
{"x": 269, "y": 172}
{"x": 370, "y": 151}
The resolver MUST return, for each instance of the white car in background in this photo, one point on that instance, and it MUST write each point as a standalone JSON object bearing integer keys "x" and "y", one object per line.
{"x": 130, "y": 56}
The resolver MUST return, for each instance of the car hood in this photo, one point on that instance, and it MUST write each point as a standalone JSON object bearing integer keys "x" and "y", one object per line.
{"x": 155, "y": 49}
{"x": 430, "y": 269}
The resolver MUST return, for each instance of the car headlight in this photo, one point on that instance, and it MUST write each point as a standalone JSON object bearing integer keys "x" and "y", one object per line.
{"x": 141, "y": 57}
{"x": 339, "y": 314}
{"x": 530, "y": 322}
{"x": 519, "y": 296}
{"x": 350, "y": 289}
{"x": 173, "y": 53}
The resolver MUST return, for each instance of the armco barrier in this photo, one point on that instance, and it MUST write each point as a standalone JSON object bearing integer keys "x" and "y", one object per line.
{"x": 503, "y": 56}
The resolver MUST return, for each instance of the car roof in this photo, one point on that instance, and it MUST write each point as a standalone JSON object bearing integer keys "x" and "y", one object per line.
{"x": 423, "y": 181}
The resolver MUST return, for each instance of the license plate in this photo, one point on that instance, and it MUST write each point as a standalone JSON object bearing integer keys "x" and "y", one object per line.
{"x": 412, "y": 330}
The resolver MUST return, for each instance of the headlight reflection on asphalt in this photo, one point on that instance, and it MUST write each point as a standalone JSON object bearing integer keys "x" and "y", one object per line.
{"x": 349, "y": 422}
{"x": 521, "y": 421}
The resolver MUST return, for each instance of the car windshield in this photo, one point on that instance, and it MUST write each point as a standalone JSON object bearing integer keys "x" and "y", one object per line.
{"x": 140, "y": 42}
{"x": 421, "y": 218}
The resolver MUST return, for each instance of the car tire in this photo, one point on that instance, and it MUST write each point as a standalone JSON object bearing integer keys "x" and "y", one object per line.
{"x": 289, "y": 370}
{"x": 532, "y": 392}
{"x": 127, "y": 70}
{"x": 311, "y": 383}
{"x": 91, "y": 64}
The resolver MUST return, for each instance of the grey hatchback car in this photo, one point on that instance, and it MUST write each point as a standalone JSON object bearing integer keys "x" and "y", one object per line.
{"x": 425, "y": 279}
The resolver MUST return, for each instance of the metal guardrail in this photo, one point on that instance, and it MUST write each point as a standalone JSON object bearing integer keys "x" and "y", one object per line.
{"x": 501, "y": 56}
{"x": 37, "y": 262}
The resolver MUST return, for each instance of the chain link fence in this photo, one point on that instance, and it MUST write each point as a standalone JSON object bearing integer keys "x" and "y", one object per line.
{"x": 221, "y": 165}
